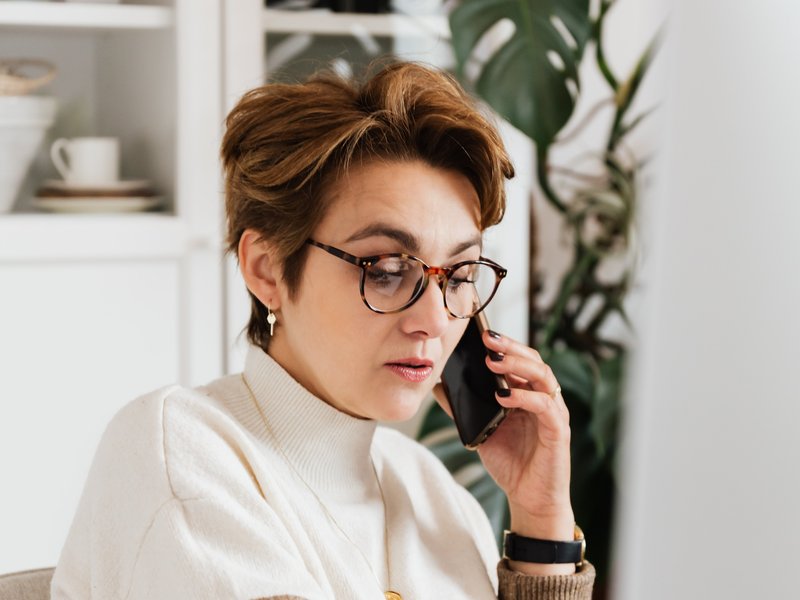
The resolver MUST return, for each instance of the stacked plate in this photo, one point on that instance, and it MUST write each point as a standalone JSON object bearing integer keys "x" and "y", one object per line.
{"x": 118, "y": 196}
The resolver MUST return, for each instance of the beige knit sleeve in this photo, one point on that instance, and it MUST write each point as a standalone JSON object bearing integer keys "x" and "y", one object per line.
{"x": 518, "y": 586}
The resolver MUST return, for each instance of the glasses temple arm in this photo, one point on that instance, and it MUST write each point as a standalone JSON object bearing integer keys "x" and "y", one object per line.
{"x": 337, "y": 253}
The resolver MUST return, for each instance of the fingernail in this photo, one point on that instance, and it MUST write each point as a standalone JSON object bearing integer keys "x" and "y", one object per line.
{"x": 495, "y": 356}
{"x": 494, "y": 334}
{"x": 504, "y": 393}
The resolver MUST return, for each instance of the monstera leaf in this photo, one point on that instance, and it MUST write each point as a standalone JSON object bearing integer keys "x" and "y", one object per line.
{"x": 532, "y": 78}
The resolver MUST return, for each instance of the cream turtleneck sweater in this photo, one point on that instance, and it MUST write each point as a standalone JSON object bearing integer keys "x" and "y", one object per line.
{"x": 253, "y": 488}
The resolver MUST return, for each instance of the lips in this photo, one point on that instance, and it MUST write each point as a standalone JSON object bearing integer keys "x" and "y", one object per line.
{"x": 412, "y": 369}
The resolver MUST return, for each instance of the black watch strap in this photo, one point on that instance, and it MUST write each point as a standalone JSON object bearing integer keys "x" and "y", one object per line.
{"x": 525, "y": 549}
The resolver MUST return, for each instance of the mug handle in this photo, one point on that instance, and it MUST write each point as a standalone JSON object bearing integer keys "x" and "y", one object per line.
{"x": 61, "y": 145}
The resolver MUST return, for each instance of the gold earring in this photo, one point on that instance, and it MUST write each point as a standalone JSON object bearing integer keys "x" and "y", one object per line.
{"x": 271, "y": 319}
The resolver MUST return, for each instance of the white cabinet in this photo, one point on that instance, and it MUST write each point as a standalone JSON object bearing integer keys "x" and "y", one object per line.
{"x": 96, "y": 309}
{"x": 79, "y": 340}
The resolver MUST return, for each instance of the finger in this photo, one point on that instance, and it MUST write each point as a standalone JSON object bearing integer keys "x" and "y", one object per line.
{"x": 515, "y": 381}
{"x": 539, "y": 375}
{"x": 502, "y": 343}
{"x": 547, "y": 410}
{"x": 441, "y": 398}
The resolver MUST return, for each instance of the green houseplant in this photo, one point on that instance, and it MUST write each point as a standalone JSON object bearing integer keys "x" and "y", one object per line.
{"x": 532, "y": 80}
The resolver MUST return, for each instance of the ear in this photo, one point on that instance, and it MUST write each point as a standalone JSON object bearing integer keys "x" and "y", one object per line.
{"x": 259, "y": 269}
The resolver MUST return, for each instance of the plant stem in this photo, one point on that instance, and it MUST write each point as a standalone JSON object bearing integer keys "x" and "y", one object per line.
{"x": 626, "y": 93}
{"x": 544, "y": 181}
{"x": 614, "y": 134}
{"x": 597, "y": 33}
{"x": 585, "y": 262}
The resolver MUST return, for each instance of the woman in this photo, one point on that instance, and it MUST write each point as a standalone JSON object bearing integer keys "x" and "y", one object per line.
{"x": 276, "y": 482}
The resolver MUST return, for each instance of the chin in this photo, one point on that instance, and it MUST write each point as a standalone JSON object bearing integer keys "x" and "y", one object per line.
{"x": 399, "y": 408}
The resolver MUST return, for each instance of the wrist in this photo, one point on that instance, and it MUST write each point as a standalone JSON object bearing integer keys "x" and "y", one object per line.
{"x": 557, "y": 523}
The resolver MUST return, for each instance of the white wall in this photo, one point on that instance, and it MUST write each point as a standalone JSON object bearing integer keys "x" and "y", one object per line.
{"x": 711, "y": 493}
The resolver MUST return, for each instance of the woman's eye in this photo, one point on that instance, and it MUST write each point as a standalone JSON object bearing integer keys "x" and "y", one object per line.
{"x": 383, "y": 276}
{"x": 392, "y": 266}
{"x": 457, "y": 282}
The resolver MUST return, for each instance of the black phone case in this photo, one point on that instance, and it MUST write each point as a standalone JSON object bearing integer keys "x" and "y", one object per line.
{"x": 470, "y": 387}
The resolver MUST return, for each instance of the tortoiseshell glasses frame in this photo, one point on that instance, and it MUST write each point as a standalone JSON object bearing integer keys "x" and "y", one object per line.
{"x": 442, "y": 274}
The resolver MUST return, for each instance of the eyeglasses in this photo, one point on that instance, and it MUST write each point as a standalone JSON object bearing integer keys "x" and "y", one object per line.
{"x": 393, "y": 282}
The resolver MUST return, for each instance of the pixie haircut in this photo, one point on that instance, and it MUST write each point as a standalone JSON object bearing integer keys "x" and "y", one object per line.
{"x": 285, "y": 144}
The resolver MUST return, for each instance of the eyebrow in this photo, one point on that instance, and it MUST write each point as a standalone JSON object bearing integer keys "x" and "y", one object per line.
{"x": 406, "y": 239}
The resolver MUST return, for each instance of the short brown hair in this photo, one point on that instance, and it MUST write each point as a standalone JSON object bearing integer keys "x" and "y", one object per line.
{"x": 285, "y": 143}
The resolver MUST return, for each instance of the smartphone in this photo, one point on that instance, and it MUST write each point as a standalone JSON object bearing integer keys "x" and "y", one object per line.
{"x": 470, "y": 387}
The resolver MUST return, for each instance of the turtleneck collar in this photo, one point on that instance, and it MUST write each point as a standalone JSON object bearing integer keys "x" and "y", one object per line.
{"x": 326, "y": 446}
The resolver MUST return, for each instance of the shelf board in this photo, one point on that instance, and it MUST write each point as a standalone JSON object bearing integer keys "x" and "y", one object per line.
{"x": 26, "y": 237}
{"x": 99, "y": 17}
{"x": 323, "y": 22}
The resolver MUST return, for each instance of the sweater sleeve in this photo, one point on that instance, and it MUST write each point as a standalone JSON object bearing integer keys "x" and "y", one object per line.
{"x": 518, "y": 586}
{"x": 204, "y": 549}
{"x": 171, "y": 509}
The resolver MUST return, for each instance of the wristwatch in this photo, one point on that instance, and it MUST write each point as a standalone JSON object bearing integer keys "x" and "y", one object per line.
{"x": 525, "y": 549}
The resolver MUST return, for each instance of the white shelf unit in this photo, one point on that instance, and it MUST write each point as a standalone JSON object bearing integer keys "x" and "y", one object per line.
{"x": 147, "y": 74}
{"x": 116, "y": 75}
{"x": 351, "y": 39}
{"x": 84, "y": 16}
{"x": 323, "y": 22}
{"x": 96, "y": 309}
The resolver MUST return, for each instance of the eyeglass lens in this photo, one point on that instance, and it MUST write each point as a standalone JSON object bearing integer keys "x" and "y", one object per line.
{"x": 391, "y": 283}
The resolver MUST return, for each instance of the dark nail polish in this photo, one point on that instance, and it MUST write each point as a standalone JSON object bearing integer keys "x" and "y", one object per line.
{"x": 495, "y": 356}
{"x": 504, "y": 393}
{"x": 494, "y": 334}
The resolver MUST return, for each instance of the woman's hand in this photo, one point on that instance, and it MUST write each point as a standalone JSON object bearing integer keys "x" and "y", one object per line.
{"x": 529, "y": 454}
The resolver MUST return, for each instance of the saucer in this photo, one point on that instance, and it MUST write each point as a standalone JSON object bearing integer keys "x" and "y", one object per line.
{"x": 122, "y": 185}
{"x": 96, "y": 204}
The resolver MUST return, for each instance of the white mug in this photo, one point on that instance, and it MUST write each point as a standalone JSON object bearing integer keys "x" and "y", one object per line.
{"x": 89, "y": 160}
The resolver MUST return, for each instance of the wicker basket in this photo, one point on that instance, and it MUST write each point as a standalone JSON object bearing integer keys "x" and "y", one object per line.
{"x": 13, "y": 82}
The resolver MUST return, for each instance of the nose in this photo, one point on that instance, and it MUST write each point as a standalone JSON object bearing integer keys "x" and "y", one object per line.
{"x": 428, "y": 315}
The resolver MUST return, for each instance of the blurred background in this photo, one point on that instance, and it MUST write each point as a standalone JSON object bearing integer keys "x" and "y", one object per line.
{"x": 650, "y": 239}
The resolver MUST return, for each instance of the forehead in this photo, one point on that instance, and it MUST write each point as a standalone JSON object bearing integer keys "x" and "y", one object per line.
{"x": 435, "y": 205}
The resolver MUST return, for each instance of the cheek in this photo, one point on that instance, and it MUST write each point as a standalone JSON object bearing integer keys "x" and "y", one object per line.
{"x": 340, "y": 330}
{"x": 335, "y": 293}
{"x": 453, "y": 336}
{"x": 325, "y": 295}
{"x": 450, "y": 341}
